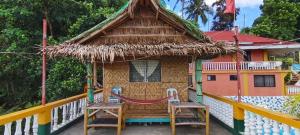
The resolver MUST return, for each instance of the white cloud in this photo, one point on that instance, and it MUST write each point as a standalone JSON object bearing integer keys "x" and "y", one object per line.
{"x": 240, "y": 3}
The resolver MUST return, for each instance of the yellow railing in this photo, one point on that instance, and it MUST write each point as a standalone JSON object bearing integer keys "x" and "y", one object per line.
{"x": 43, "y": 113}
{"x": 249, "y": 118}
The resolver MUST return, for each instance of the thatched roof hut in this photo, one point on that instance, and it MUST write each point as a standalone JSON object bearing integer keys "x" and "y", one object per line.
{"x": 141, "y": 28}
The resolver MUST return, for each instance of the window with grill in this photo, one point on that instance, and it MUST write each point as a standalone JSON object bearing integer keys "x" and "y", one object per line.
{"x": 211, "y": 77}
{"x": 145, "y": 71}
{"x": 264, "y": 80}
{"x": 233, "y": 77}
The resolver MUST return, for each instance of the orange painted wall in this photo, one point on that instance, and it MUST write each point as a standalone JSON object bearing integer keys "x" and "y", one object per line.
{"x": 257, "y": 55}
{"x": 225, "y": 87}
{"x": 266, "y": 91}
{"x": 224, "y": 58}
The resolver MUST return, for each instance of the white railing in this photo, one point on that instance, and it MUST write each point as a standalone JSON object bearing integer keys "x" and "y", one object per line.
{"x": 30, "y": 127}
{"x": 62, "y": 115}
{"x": 25, "y": 122}
{"x": 219, "y": 109}
{"x": 293, "y": 90}
{"x": 258, "y": 125}
{"x": 251, "y": 65}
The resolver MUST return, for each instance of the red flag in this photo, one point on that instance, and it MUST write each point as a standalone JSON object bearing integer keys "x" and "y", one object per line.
{"x": 230, "y": 7}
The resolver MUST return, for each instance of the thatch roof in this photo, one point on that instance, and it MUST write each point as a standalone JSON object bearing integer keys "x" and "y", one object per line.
{"x": 140, "y": 28}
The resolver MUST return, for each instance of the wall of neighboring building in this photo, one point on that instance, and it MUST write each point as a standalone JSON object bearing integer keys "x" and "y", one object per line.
{"x": 257, "y": 55}
{"x": 224, "y": 58}
{"x": 225, "y": 87}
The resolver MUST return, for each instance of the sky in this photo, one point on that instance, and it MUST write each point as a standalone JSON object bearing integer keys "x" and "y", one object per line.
{"x": 249, "y": 11}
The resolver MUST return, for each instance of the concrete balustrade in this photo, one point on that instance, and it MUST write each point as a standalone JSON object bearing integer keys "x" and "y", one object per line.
{"x": 292, "y": 90}
{"x": 46, "y": 119}
{"x": 251, "y": 65}
{"x": 247, "y": 119}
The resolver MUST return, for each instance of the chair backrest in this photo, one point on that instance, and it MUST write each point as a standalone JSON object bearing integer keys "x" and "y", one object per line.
{"x": 117, "y": 90}
{"x": 172, "y": 92}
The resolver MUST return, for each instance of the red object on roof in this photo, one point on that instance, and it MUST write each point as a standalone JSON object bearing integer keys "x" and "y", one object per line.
{"x": 230, "y": 7}
{"x": 244, "y": 39}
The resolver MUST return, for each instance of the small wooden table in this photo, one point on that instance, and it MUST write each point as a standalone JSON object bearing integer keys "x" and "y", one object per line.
{"x": 108, "y": 108}
{"x": 203, "y": 110}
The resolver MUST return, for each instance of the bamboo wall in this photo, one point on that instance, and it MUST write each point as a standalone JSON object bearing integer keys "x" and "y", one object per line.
{"x": 174, "y": 73}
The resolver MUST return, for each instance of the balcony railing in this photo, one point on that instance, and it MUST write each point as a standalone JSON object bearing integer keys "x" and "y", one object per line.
{"x": 62, "y": 113}
{"x": 251, "y": 65}
{"x": 292, "y": 90}
{"x": 244, "y": 118}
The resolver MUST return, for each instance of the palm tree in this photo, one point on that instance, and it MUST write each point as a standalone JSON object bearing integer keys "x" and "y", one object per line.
{"x": 182, "y": 6}
{"x": 196, "y": 9}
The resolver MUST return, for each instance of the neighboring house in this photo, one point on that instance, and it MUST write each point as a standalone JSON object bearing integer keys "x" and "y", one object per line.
{"x": 259, "y": 75}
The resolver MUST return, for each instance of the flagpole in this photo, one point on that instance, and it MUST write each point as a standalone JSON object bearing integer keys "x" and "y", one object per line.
{"x": 44, "y": 62}
{"x": 238, "y": 64}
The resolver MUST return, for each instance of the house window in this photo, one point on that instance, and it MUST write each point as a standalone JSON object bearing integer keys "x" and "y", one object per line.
{"x": 211, "y": 77}
{"x": 145, "y": 71}
{"x": 233, "y": 77}
{"x": 264, "y": 80}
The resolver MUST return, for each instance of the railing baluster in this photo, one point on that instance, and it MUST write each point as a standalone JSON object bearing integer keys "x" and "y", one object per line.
{"x": 267, "y": 126}
{"x": 276, "y": 130}
{"x": 18, "y": 130}
{"x": 64, "y": 114}
{"x": 27, "y": 125}
{"x": 286, "y": 129}
{"x": 55, "y": 119}
{"x": 247, "y": 123}
{"x": 75, "y": 109}
{"x": 259, "y": 125}
{"x": 252, "y": 123}
{"x": 35, "y": 125}
{"x": 7, "y": 130}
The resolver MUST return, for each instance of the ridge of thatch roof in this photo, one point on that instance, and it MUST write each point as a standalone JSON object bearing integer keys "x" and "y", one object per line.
{"x": 141, "y": 28}
{"x": 192, "y": 29}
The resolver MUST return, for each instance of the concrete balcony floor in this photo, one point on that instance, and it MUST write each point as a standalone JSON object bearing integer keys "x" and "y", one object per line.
{"x": 154, "y": 129}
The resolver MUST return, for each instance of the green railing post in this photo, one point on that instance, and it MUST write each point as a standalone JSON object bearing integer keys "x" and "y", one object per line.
{"x": 44, "y": 121}
{"x": 238, "y": 119}
{"x": 90, "y": 92}
{"x": 198, "y": 77}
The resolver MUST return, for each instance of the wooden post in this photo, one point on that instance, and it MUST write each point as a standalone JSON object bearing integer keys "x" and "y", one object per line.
{"x": 119, "y": 121}
{"x": 90, "y": 92}
{"x": 198, "y": 68}
{"x": 44, "y": 121}
{"x": 95, "y": 74}
{"x": 238, "y": 119}
{"x": 85, "y": 122}
{"x": 207, "y": 120}
{"x": 173, "y": 109}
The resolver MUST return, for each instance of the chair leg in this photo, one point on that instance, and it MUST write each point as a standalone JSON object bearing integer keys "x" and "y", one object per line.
{"x": 173, "y": 121}
{"x": 207, "y": 120}
{"x": 85, "y": 130}
{"x": 119, "y": 121}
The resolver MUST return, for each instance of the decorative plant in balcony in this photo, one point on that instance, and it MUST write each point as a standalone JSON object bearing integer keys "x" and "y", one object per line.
{"x": 292, "y": 106}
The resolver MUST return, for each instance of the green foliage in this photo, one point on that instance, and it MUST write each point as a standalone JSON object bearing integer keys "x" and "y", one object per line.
{"x": 196, "y": 9}
{"x": 21, "y": 36}
{"x": 279, "y": 19}
{"x": 66, "y": 78}
{"x": 292, "y": 106}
